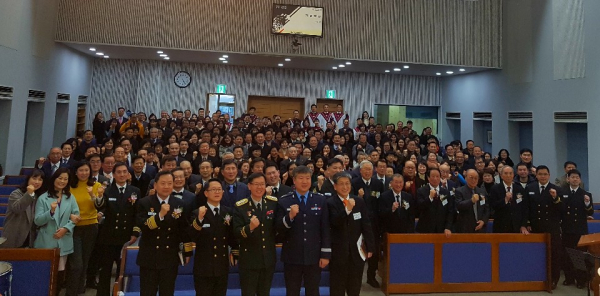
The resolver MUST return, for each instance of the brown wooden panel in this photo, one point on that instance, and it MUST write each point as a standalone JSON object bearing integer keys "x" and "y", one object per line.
{"x": 332, "y": 104}
{"x": 282, "y": 106}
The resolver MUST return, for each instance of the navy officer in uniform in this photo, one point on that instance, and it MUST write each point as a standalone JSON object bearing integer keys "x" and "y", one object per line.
{"x": 118, "y": 205}
{"x": 578, "y": 206}
{"x": 212, "y": 231}
{"x": 303, "y": 220}
{"x": 165, "y": 228}
{"x": 254, "y": 226}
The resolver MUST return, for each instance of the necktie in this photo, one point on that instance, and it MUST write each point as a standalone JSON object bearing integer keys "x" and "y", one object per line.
{"x": 230, "y": 188}
{"x": 54, "y": 168}
{"x": 573, "y": 192}
{"x": 508, "y": 189}
{"x": 216, "y": 212}
{"x": 177, "y": 194}
{"x": 367, "y": 184}
{"x": 302, "y": 203}
{"x": 542, "y": 188}
{"x": 274, "y": 190}
{"x": 64, "y": 160}
{"x": 444, "y": 185}
{"x": 162, "y": 203}
{"x": 382, "y": 180}
{"x": 259, "y": 206}
{"x": 398, "y": 198}
{"x": 345, "y": 201}
{"x": 122, "y": 190}
{"x": 95, "y": 179}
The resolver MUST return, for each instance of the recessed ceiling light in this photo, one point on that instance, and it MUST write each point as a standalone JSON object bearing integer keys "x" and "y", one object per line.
{"x": 163, "y": 55}
{"x": 280, "y": 65}
{"x": 222, "y": 59}
{"x": 387, "y": 71}
{"x": 397, "y": 69}
{"x": 225, "y": 62}
{"x": 106, "y": 57}
{"x": 225, "y": 56}
{"x": 438, "y": 73}
{"x": 461, "y": 70}
{"x": 159, "y": 52}
{"x": 288, "y": 60}
{"x": 167, "y": 58}
{"x": 99, "y": 53}
{"x": 341, "y": 66}
{"x": 406, "y": 67}
{"x": 92, "y": 49}
{"x": 348, "y": 63}
{"x": 334, "y": 68}
{"x": 449, "y": 72}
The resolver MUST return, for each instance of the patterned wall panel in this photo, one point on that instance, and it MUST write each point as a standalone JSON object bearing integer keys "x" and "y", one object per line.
{"x": 568, "y": 39}
{"x": 452, "y": 32}
{"x": 143, "y": 85}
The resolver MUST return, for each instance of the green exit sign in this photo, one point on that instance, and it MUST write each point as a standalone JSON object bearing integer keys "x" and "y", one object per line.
{"x": 331, "y": 93}
{"x": 221, "y": 88}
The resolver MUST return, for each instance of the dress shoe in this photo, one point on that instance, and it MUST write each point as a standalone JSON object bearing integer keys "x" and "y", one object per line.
{"x": 374, "y": 283}
{"x": 554, "y": 285}
{"x": 568, "y": 283}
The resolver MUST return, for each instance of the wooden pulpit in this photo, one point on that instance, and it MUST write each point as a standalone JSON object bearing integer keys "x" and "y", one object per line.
{"x": 592, "y": 242}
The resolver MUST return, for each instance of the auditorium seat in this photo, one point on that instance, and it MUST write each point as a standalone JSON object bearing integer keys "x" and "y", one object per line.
{"x": 2, "y": 217}
{"x": 596, "y": 215}
{"x": 3, "y": 209}
{"x": 185, "y": 280}
{"x": 26, "y": 171}
{"x": 7, "y": 189}
{"x": 14, "y": 180}
{"x": 3, "y": 199}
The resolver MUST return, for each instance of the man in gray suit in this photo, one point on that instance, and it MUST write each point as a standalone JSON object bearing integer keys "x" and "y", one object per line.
{"x": 472, "y": 205}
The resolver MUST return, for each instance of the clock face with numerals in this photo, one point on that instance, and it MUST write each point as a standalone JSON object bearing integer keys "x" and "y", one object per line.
{"x": 183, "y": 79}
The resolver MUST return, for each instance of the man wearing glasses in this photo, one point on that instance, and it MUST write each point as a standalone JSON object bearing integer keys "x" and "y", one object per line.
{"x": 254, "y": 226}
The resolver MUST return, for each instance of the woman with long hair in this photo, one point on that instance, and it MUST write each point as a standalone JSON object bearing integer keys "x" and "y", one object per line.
{"x": 56, "y": 213}
{"x": 504, "y": 156}
{"x": 86, "y": 193}
{"x": 99, "y": 127}
{"x": 19, "y": 231}
{"x": 108, "y": 147}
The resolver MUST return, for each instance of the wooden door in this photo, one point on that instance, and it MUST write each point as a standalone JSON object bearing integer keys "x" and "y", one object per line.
{"x": 332, "y": 104}
{"x": 269, "y": 106}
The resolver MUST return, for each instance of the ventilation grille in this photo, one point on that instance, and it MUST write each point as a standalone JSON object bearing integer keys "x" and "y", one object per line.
{"x": 63, "y": 98}
{"x": 570, "y": 117}
{"x": 6, "y": 93}
{"x": 487, "y": 116}
{"x": 453, "y": 115}
{"x": 82, "y": 100}
{"x": 37, "y": 94}
{"x": 520, "y": 116}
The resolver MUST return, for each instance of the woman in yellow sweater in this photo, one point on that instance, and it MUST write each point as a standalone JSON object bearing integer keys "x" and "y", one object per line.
{"x": 86, "y": 193}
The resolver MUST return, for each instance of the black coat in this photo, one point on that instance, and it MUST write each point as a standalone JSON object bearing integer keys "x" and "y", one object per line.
{"x": 437, "y": 215}
{"x": 142, "y": 183}
{"x": 119, "y": 215}
{"x": 466, "y": 220}
{"x": 159, "y": 246}
{"x": 402, "y": 220}
{"x": 346, "y": 229}
{"x": 371, "y": 197}
{"x": 213, "y": 237}
{"x": 283, "y": 190}
{"x": 509, "y": 218}
{"x": 575, "y": 212}
{"x": 545, "y": 213}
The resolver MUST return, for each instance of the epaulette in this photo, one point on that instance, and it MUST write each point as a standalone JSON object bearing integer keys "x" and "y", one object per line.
{"x": 273, "y": 198}
{"x": 241, "y": 202}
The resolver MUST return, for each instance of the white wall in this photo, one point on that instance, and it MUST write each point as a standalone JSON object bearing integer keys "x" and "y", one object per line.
{"x": 30, "y": 59}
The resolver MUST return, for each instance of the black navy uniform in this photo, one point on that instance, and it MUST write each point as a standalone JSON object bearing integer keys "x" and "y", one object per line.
{"x": 574, "y": 225}
{"x": 306, "y": 240}
{"x": 119, "y": 208}
{"x": 257, "y": 248}
{"x": 214, "y": 238}
{"x": 160, "y": 244}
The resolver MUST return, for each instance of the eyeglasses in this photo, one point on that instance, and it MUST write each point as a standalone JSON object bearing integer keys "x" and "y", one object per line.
{"x": 216, "y": 190}
{"x": 259, "y": 184}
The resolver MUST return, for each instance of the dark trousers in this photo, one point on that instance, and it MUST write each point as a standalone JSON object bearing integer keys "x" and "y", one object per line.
{"x": 373, "y": 262}
{"x": 84, "y": 239}
{"x": 570, "y": 241}
{"x": 158, "y": 280}
{"x": 210, "y": 285}
{"x": 108, "y": 255}
{"x": 345, "y": 277}
{"x": 256, "y": 281}
{"x": 295, "y": 273}
{"x": 94, "y": 262}
{"x": 557, "y": 254}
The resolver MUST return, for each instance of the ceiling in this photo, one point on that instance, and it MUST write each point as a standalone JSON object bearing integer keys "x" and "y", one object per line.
{"x": 271, "y": 60}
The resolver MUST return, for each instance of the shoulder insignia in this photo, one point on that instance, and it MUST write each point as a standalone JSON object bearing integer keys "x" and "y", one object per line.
{"x": 241, "y": 202}
{"x": 273, "y": 198}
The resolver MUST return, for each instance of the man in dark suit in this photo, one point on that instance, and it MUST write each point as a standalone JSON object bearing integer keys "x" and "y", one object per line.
{"x": 350, "y": 222}
{"x": 545, "y": 213}
{"x": 303, "y": 221}
{"x": 212, "y": 231}
{"x": 118, "y": 205}
{"x": 369, "y": 188}
{"x": 472, "y": 205}
{"x": 234, "y": 190}
{"x": 446, "y": 181}
{"x": 578, "y": 206}
{"x": 139, "y": 179}
{"x": 160, "y": 217}
{"x": 179, "y": 191}
{"x": 508, "y": 199}
{"x": 67, "y": 160}
{"x": 203, "y": 156}
{"x": 52, "y": 164}
{"x": 274, "y": 185}
{"x": 324, "y": 184}
{"x": 191, "y": 180}
{"x": 254, "y": 226}
{"x": 96, "y": 167}
{"x": 435, "y": 206}
{"x": 292, "y": 158}
{"x": 184, "y": 153}
{"x": 397, "y": 208}
{"x": 381, "y": 167}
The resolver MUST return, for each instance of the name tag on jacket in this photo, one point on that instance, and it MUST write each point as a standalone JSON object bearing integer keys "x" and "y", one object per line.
{"x": 112, "y": 199}
{"x": 356, "y": 216}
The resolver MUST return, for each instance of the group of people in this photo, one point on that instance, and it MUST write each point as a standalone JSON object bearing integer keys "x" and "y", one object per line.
{"x": 235, "y": 188}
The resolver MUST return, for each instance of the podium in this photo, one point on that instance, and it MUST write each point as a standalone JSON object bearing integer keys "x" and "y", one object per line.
{"x": 592, "y": 242}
